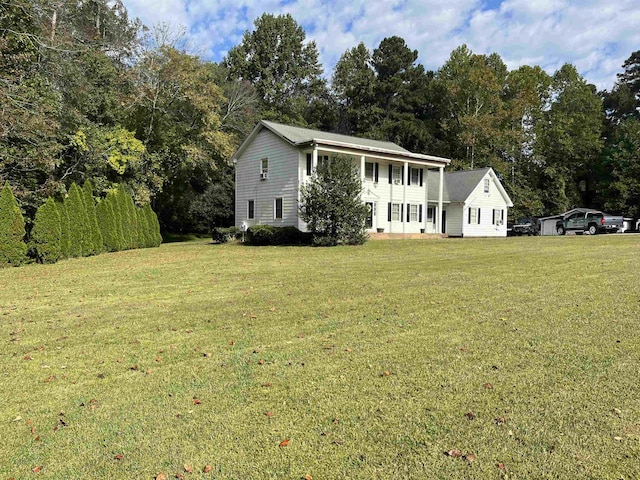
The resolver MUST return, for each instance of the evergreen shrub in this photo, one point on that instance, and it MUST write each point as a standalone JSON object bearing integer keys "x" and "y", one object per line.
{"x": 13, "y": 250}
{"x": 46, "y": 234}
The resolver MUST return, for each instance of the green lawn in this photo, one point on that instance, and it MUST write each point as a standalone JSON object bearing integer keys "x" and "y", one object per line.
{"x": 372, "y": 361}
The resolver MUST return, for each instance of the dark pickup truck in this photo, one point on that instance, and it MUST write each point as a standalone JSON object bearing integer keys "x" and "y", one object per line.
{"x": 591, "y": 221}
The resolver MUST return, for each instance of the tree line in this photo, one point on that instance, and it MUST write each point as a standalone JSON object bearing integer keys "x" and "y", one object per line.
{"x": 90, "y": 94}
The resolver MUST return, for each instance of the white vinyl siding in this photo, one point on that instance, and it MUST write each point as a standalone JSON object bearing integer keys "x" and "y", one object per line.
{"x": 488, "y": 207}
{"x": 282, "y": 167}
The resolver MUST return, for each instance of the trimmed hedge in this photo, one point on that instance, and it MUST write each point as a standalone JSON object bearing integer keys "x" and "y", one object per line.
{"x": 270, "y": 235}
{"x": 65, "y": 230}
{"x": 13, "y": 250}
{"x": 75, "y": 226}
{"x": 46, "y": 234}
{"x": 96, "y": 241}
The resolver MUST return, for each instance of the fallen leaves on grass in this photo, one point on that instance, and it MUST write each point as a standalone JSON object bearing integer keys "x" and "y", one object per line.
{"x": 188, "y": 468}
{"x": 261, "y": 361}
{"x": 454, "y": 453}
{"x": 386, "y": 373}
{"x": 37, "y": 469}
{"x": 197, "y": 401}
{"x": 207, "y": 469}
{"x": 470, "y": 457}
{"x": 161, "y": 476}
{"x": 269, "y": 414}
{"x": 308, "y": 477}
{"x": 470, "y": 415}
{"x": 50, "y": 378}
{"x": 118, "y": 457}
{"x": 488, "y": 386}
{"x": 284, "y": 443}
{"x": 266, "y": 384}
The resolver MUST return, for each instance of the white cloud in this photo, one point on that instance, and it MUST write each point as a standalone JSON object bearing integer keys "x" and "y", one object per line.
{"x": 594, "y": 35}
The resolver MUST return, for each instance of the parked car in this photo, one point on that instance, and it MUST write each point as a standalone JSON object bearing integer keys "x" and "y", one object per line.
{"x": 590, "y": 221}
{"x": 525, "y": 226}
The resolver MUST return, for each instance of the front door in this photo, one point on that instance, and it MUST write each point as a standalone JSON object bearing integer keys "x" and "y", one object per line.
{"x": 370, "y": 214}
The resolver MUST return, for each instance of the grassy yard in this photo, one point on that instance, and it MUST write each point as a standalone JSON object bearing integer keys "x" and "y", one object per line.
{"x": 367, "y": 362}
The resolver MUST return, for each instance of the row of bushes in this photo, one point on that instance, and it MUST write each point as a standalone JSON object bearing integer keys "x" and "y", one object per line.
{"x": 270, "y": 235}
{"x": 75, "y": 226}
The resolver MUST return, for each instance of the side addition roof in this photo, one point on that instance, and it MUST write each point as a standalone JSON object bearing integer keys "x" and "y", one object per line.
{"x": 306, "y": 137}
{"x": 459, "y": 185}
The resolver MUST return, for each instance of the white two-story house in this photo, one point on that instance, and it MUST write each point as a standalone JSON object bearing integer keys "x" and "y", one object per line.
{"x": 406, "y": 192}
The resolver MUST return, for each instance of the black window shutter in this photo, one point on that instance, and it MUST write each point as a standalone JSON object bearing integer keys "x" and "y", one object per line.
{"x": 389, "y": 212}
{"x": 478, "y": 216}
{"x": 421, "y": 175}
{"x": 377, "y": 171}
{"x": 408, "y": 213}
{"x": 402, "y": 175}
{"x": 420, "y": 209}
{"x": 408, "y": 176}
{"x": 309, "y": 163}
{"x": 390, "y": 173}
{"x": 469, "y": 219}
{"x": 502, "y": 216}
{"x": 401, "y": 211}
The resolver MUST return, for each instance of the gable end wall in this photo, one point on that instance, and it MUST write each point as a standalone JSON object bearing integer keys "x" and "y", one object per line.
{"x": 282, "y": 181}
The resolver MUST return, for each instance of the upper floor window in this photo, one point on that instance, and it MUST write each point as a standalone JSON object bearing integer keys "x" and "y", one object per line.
{"x": 397, "y": 174}
{"x": 486, "y": 185}
{"x": 264, "y": 167}
{"x": 369, "y": 171}
{"x": 415, "y": 176}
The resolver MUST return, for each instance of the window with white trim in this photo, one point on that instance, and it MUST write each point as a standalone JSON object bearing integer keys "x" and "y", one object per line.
{"x": 474, "y": 216}
{"x": 486, "y": 185}
{"x": 413, "y": 213}
{"x": 415, "y": 176}
{"x": 277, "y": 208}
{"x": 369, "y": 171}
{"x": 431, "y": 215}
{"x": 250, "y": 209}
{"x": 395, "y": 212}
{"x": 498, "y": 216}
{"x": 264, "y": 166}
{"x": 397, "y": 174}
{"x": 323, "y": 160}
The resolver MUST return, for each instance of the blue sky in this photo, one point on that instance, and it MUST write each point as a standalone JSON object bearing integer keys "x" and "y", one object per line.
{"x": 596, "y": 36}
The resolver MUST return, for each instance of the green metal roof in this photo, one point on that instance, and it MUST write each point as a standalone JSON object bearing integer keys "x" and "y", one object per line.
{"x": 457, "y": 185}
{"x": 300, "y": 136}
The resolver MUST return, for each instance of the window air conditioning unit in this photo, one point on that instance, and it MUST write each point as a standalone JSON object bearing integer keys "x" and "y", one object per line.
{"x": 264, "y": 176}
{"x": 396, "y": 182}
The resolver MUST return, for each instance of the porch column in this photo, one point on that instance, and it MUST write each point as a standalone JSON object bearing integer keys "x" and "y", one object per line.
{"x": 405, "y": 180}
{"x": 314, "y": 157}
{"x": 440, "y": 189}
{"x": 362, "y": 168}
{"x": 426, "y": 201}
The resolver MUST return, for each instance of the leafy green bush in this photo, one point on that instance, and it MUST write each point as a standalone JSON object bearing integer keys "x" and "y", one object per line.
{"x": 46, "y": 234}
{"x": 145, "y": 237}
{"x": 270, "y": 235}
{"x": 224, "y": 235}
{"x": 13, "y": 250}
